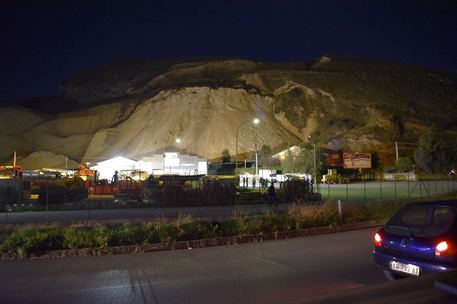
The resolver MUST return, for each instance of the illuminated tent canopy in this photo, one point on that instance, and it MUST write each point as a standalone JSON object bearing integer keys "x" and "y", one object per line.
{"x": 166, "y": 163}
{"x": 106, "y": 169}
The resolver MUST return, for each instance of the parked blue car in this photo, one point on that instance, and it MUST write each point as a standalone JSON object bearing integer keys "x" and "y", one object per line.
{"x": 420, "y": 238}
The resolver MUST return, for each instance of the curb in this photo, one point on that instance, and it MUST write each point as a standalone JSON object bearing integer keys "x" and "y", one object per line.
{"x": 222, "y": 241}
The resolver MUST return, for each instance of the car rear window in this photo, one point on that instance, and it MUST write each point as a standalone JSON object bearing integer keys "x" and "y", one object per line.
{"x": 425, "y": 221}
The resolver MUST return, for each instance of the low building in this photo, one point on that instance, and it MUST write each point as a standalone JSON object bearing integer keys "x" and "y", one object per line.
{"x": 174, "y": 163}
{"x": 157, "y": 164}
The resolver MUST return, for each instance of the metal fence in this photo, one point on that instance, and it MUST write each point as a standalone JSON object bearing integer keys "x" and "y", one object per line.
{"x": 368, "y": 191}
{"x": 250, "y": 201}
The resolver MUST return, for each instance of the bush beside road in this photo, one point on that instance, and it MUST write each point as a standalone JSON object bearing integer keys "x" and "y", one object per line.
{"x": 22, "y": 242}
{"x": 26, "y": 241}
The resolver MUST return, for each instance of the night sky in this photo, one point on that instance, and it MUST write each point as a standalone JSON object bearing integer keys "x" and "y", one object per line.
{"x": 44, "y": 43}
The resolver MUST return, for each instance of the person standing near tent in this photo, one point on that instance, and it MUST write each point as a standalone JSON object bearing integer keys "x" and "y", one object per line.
{"x": 272, "y": 195}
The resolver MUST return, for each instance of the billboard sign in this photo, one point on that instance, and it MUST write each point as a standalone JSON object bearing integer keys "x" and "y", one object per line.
{"x": 357, "y": 160}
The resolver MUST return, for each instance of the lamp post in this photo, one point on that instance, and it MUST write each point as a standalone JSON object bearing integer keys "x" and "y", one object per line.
{"x": 255, "y": 121}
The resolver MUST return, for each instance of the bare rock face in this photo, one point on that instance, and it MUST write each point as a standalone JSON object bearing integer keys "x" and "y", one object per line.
{"x": 66, "y": 134}
{"x": 16, "y": 122}
{"x": 133, "y": 108}
{"x": 46, "y": 159}
{"x": 204, "y": 119}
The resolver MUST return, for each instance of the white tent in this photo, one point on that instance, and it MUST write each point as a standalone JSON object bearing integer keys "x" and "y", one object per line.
{"x": 107, "y": 168}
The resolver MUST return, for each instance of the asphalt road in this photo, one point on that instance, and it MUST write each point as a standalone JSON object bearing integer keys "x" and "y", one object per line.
{"x": 287, "y": 271}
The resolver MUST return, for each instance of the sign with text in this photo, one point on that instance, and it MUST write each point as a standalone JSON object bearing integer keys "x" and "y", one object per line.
{"x": 357, "y": 160}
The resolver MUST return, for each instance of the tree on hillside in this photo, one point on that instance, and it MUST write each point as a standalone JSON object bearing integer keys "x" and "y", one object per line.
{"x": 452, "y": 150}
{"x": 226, "y": 156}
{"x": 305, "y": 158}
{"x": 432, "y": 154}
{"x": 404, "y": 164}
{"x": 301, "y": 160}
{"x": 288, "y": 163}
{"x": 265, "y": 150}
{"x": 375, "y": 161}
{"x": 266, "y": 158}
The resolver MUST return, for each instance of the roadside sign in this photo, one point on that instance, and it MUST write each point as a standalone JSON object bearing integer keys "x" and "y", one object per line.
{"x": 357, "y": 160}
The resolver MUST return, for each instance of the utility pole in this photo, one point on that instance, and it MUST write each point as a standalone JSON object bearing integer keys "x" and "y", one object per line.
{"x": 315, "y": 163}
{"x": 405, "y": 146}
{"x": 396, "y": 151}
{"x": 315, "y": 169}
{"x": 256, "y": 164}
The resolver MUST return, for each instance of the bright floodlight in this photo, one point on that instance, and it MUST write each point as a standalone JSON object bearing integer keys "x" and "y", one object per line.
{"x": 256, "y": 121}
{"x": 178, "y": 140}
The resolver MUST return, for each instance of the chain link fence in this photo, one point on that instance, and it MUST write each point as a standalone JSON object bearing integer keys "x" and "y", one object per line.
{"x": 250, "y": 201}
{"x": 370, "y": 191}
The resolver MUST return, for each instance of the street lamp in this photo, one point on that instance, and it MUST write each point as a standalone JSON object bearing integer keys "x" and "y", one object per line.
{"x": 255, "y": 121}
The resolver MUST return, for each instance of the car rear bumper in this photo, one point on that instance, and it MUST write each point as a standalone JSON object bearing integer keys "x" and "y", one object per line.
{"x": 383, "y": 260}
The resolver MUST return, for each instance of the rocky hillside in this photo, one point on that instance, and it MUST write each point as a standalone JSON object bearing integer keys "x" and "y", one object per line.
{"x": 133, "y": 108}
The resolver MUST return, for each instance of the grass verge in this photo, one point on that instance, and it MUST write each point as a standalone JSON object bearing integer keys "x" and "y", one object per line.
{"x": 24, "y": 241}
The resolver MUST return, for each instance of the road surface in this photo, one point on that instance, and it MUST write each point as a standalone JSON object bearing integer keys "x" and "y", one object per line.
{"x": 287, "y": 271}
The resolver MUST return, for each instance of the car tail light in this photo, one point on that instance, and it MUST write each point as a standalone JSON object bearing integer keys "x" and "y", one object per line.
{"x": 444, "y": 249}
{"x": 377, "y": 239}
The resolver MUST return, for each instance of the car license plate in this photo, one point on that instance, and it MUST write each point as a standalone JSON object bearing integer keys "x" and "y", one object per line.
{"x": 406, "y": 268}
